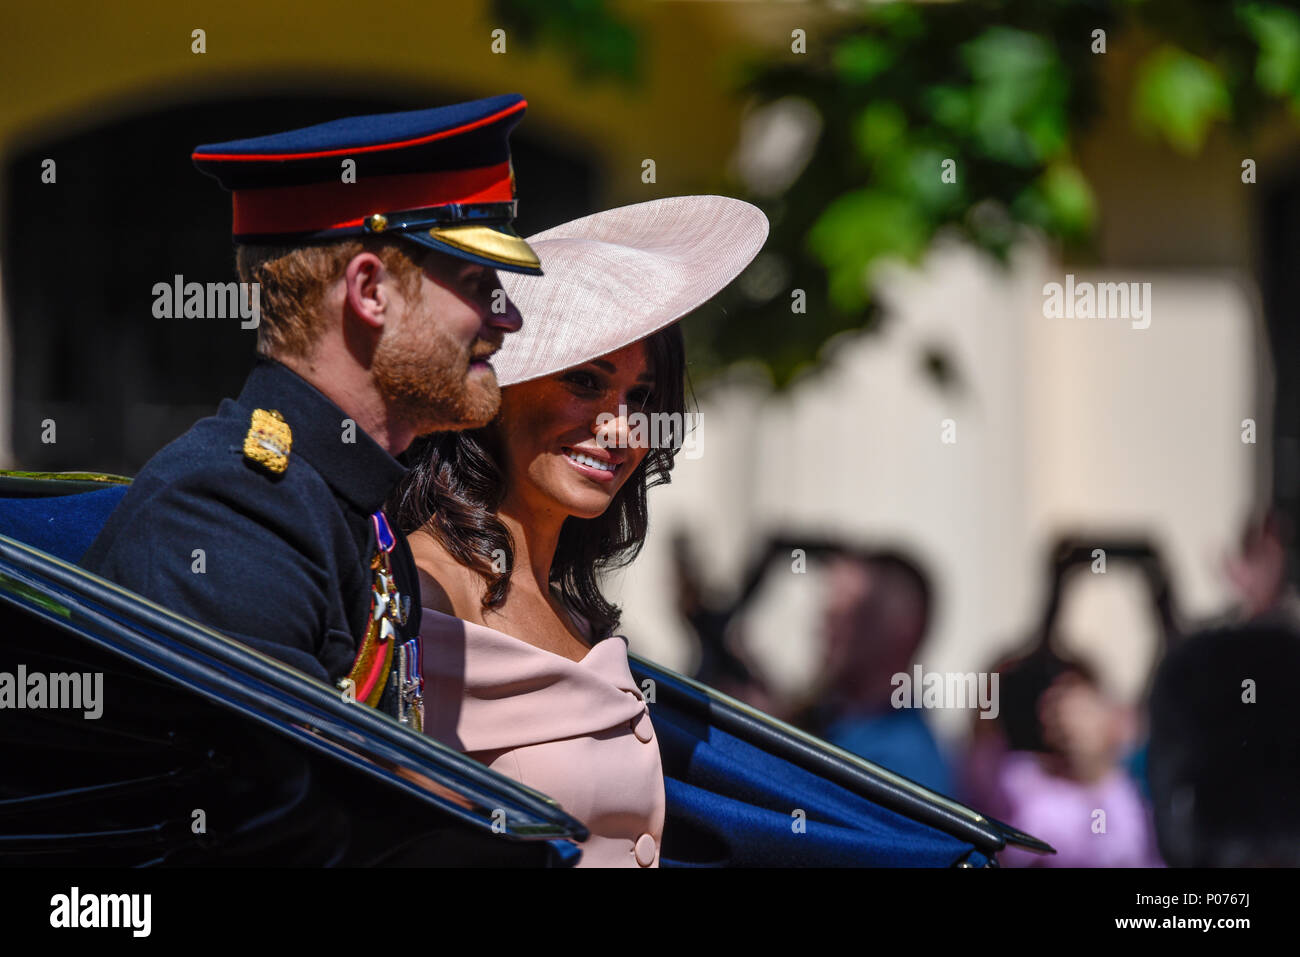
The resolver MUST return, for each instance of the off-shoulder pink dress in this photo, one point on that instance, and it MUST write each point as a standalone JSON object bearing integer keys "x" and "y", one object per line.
{"x": 578, "y": 731}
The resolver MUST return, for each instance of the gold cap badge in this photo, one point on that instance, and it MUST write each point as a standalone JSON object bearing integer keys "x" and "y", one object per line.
{"x": 268, "y": 441}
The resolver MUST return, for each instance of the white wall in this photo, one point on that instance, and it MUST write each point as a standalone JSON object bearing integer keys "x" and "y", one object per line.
{"x": 1061, "y": 424}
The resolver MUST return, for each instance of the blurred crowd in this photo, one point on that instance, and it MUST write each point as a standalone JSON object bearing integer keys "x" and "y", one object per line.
{"x": 1203, "y": 770}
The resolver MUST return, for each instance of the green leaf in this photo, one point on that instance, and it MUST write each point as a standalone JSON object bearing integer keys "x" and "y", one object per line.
{"x": 880, "y": 128}
{"x": 858, "y": 228}
{"x": 1018, "y": 96}
{"x": 1277, "y": 31}
{"x": 924, "y": 180}
{"x": 901, "y": 18}
{"x": 862, "y": 58}
{"x": 950, "y": 107}
{"x": 1179, "y": 96}
{"x": 1060, "y": 201}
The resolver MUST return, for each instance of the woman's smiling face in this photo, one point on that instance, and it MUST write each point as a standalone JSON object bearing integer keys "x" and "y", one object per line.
{"x": 564, "y": 437}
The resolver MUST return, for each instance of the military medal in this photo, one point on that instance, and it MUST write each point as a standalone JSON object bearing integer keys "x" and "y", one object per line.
{"x": 373, "y": 670}
{"x": 410, "y": 698}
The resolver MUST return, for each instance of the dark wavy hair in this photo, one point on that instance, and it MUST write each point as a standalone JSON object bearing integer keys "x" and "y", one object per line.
{"x": 456, "y": 484}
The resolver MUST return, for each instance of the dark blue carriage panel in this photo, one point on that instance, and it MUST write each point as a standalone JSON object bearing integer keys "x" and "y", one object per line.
{"x": 733, "y": 804}
{"x": 62, "y": 525}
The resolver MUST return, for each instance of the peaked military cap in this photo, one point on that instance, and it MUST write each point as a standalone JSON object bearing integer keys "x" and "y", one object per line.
{"x": 440, "y": 177}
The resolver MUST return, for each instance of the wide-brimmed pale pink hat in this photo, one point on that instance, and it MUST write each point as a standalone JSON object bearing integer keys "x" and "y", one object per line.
{"x": 617, "y": 276}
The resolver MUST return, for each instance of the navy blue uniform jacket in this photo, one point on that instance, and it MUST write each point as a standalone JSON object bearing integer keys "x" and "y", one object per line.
{"x": 286, "y": 558}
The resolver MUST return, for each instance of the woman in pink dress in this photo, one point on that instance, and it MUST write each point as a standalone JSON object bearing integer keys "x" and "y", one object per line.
{"x": 511, "y": 525}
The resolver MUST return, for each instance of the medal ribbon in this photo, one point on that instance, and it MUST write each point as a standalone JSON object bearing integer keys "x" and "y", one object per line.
{"x": 411, "y": 676}
{"x": 383, "y": 534}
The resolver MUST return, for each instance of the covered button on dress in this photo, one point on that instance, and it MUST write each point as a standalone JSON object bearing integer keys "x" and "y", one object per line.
{"x": 579, "y": 731}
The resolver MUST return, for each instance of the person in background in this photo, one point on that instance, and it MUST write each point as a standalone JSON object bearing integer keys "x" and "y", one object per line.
{"x": 1257, "y": 572}
{"x": 1076, "y": 794}
{"x": 723, "y": 662}
{"x": 1224, "y": 758}
{"x": 876, "y": 616}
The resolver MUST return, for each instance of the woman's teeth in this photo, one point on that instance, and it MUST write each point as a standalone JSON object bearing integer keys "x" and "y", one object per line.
{"x": 590, "y": 462}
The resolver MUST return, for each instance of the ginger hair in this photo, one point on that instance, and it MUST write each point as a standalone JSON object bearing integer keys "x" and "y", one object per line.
{"x": 293, "y": 281}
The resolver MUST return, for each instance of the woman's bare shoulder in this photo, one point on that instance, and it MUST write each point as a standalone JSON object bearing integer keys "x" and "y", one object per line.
{"x": 445, "y": 585}
{"x": 434, "y": 595}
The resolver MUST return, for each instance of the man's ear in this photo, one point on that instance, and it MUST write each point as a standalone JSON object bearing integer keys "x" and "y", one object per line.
{"x": 366, "y": 290}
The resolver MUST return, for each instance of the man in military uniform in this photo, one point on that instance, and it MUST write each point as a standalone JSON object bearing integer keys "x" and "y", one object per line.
{"x": 374, "y": 241}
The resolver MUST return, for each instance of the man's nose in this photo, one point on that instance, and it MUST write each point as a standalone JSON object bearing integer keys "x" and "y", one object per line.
{"x": 501, "y": 312}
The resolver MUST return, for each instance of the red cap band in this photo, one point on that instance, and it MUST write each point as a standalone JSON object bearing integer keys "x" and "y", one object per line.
{"x": 338, "y": 205}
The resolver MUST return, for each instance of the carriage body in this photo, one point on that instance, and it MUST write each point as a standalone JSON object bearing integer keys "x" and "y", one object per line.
{"x": 205, "y": 752}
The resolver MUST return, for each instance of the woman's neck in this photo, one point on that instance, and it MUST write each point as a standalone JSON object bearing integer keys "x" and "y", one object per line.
{"x": 536, "y": 536}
